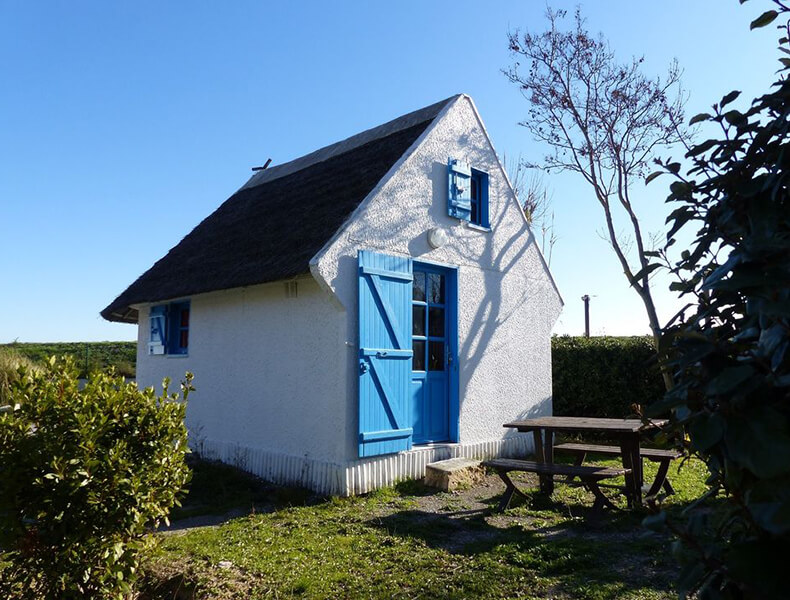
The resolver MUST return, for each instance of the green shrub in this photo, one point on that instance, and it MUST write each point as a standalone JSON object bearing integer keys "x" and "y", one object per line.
{"x": 83, "y": 473}
{"x": 10, "y": 362}
{"x": 603, "y": 376}
{"x": 88, "y": 356}
{"x": 729, "y": 349}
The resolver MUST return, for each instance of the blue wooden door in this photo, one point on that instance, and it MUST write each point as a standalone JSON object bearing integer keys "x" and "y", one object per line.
{"x": 432, "y": 312}
{"x": 385, "y": 296}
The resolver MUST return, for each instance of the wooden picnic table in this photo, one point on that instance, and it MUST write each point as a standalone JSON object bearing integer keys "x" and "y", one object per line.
{"x": 628, "y": 432}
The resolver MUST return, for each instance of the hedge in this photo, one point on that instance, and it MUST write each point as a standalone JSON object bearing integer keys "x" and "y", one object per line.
{"x": 88, "y": 356}
{"x": 604, "y": 376}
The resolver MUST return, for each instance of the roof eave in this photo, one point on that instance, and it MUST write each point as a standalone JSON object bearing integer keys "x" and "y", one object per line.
{"x": 126, "y": 314}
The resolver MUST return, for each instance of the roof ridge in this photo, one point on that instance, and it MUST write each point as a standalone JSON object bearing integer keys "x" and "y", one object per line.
{"x": 350, "y": 143}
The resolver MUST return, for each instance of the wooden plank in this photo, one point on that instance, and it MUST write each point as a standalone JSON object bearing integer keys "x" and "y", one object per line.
{"x": 650, "y": 453}
{"x": 629, "y": 448}
{"x": 385, "y": 353}
{"x": 584, "y": 424}
{"x": 388, "y": 434}
{"x": 386, "y": 273}
{"x": 511, "y": 464}
{"x": 546, "y": 482}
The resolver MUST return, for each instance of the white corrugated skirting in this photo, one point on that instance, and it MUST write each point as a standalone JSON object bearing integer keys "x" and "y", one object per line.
{"x": 358, "y": 476}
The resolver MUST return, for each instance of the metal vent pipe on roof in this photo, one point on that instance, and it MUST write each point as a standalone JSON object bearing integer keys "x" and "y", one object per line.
{"x": 268, "y": 162}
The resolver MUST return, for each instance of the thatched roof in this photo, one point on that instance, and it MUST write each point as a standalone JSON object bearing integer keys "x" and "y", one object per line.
{"x": 271, "y": 228}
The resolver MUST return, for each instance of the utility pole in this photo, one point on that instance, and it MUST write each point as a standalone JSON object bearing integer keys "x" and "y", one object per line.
{"x": 586, "y": 300}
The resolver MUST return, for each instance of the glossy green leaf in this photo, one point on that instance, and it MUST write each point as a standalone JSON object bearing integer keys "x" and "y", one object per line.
{"x": 734, "y": 117}
{"x": 646, "y": 271}
{"x": 760, "y": 442}
{"x": 707, "y": 430}
{"x": 698, "y": 118}
{"x": 764, "y": 19}
{"x": 727, "y": 98}
{"x": 728, "y": 379}
{"x": 701, "y": 148}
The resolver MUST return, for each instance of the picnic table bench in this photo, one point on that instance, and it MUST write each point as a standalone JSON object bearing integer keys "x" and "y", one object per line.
{"x": 662, "y": 457}
{"x": 627, "y": 432}
{"x": 590, "y": 477}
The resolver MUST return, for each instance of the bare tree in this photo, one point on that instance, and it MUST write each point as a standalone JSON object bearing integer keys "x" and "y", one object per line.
{"x": 603, "y": 120}
{"x": 536, "y": 201}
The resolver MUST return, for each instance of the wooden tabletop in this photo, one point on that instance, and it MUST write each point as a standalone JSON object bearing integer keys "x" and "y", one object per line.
{"x": 584, "y": 424}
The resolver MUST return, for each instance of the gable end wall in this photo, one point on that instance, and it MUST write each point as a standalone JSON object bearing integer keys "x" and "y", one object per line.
{"x": 508, "y": 302}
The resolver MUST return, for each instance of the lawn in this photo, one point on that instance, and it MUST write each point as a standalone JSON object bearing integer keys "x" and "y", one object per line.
{"x": 409, "y": 542}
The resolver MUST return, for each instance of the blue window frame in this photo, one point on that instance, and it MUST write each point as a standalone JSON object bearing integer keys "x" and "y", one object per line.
{"x": 178, "y": 341}
{"x": 479, "y": 199}
{"x": 169, "y": 329}
{"x": 467, "y": 193}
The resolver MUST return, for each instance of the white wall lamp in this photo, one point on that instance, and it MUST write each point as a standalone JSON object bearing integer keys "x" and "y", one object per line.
{"x": 437, "y": 237}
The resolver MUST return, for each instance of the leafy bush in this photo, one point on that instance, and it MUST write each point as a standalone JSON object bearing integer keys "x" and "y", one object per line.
{"x": 82, "y": 474}
{"x": 10, "y": 363}
{"x": 730, "y": 351}
{"x": 604, "y": 376}
{"x": 88, "y": 356}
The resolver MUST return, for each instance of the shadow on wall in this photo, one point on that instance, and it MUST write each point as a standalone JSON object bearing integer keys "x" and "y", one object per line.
{"x": 487, "y": 317}
{"x": 491, "y": 314}
{"x": 541, "y": 409}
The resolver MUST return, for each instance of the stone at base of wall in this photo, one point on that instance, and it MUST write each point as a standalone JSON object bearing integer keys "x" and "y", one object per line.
{"x": 357, "y": 476}
{"x": 454, "y": 474}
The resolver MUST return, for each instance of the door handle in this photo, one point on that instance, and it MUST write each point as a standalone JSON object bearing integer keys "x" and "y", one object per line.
{"x": 381, "y": 354}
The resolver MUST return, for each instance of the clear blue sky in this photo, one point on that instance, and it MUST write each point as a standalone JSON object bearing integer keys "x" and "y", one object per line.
{"x": 123, "y": 124}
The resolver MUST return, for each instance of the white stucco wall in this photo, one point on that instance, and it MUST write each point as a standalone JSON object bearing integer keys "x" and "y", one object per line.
{"x": 268, "y": 372}
{"x": 508, "y": 302}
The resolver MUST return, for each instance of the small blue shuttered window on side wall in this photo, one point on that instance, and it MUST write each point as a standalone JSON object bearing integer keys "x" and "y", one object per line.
{"x": 169, "y": 329}
{"x": 467, "y": 193}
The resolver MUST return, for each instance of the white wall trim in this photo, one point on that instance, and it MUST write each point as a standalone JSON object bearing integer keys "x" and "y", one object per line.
{"x": 355, "y": 477}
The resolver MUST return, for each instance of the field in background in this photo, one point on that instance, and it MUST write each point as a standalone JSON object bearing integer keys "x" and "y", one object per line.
{"x": 596, "y": 377}
{"x": 89, "y": 356}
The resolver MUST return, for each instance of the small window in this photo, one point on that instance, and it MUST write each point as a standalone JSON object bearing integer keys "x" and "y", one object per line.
{"x": 467, "y": 193}
{"x": 169, "y": 329}
{"x": 479, "y": 199}
{"x": 179, "y": 319}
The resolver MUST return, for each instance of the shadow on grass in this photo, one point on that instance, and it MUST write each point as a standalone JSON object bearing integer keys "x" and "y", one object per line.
{"x": 182, "y": 586}
{"x": 218, "y": 493}
{"x": 611, "y": 551}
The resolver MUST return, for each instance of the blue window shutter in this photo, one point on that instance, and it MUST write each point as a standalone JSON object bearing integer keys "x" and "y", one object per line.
{"x": 459, "y": 189}
{"x": 385, "y": 288}
{"x": 157, "y": 341}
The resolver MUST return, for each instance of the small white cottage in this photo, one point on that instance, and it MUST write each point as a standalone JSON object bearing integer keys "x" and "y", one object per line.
{"x": 357, "y": 313}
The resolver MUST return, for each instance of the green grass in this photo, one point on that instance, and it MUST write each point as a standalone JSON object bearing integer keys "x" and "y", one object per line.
{"x": 217, "y": 488}
{"x": 89, "y": 356}
{"x": 408, "y": 542}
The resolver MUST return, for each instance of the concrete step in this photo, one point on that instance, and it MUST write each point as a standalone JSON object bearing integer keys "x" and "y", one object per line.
{"x": 453, "y": 474}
